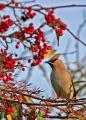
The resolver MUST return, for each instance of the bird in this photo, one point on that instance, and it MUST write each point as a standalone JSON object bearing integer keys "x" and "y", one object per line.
{"x": 61, "y": 79}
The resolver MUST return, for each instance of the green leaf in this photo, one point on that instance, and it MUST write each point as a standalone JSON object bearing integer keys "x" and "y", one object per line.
{"x": 1, "y": 115}
{"x": 31, "y": 113}
{"x": 39, "y": 117}
{"x": 15, "y": 111}
{"x": 1, "y": 98}
{"x": 19, "y": 111}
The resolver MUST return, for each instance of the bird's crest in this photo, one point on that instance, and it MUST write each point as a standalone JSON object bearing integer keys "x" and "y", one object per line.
{"x": 54, "y": 58}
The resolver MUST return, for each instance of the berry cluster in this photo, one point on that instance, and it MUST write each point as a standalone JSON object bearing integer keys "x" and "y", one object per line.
{"x": 60, "y": 26}
{"x": 5, "y": 77}
{"x": 5, "y": 24}
{"x": 55, "y": 23}
{"x": 38, "y": 45}
{"x": 21, "y": 35}
{"x": 30, "y": 13}
{"x": 50, "y": 18}
{"x": 30, "y": 29}
{"x": 8, "y": 63}
{"x": 39, "y": 48}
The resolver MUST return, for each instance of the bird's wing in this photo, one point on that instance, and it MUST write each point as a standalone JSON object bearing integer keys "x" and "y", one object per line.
{"x": 56, "y": 84}
{"x": 72, "y": 83}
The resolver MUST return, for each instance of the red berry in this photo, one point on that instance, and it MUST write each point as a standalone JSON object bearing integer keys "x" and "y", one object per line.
{"x": 36, "y": 48}
{"x": 10, "y": 109}
{"x": 12, "y": 1}
{"x": 59, "y": 32}
{"x": 17, "y": 46}
{"x": 63, "y": 26}
{"x": 33, "y": 64}
{"x": 49, "y": 47}
{"x": 2, "y": 6}
{"x": 6, "y": 16}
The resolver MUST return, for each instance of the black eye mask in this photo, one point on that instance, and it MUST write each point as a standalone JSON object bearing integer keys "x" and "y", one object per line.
{"x": 53, "y": 60}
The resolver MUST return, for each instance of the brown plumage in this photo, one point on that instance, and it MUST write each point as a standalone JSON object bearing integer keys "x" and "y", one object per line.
{"x": 61, "y": 78}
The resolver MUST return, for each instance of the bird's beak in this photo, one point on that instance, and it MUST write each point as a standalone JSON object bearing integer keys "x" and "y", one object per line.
{"x": 48, "y": 62}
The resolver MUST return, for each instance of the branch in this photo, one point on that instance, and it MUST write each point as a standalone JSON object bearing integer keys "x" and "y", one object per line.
{"x": 43, "y": 104}
{"x": 47, "y": 8}
{"x": 75, "y": 36}
{"x": 61, "y": 117}
{"x": 62, "y": 6}
{"x": 44, "y": 99}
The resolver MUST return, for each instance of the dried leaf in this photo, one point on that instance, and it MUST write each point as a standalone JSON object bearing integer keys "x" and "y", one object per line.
{"x": 1, "y": 57}
{"x": 27, "y": 99}
{"x": 9, "y": 117}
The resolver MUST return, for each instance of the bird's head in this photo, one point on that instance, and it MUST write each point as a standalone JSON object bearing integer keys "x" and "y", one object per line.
{"x": 53, "y": 60}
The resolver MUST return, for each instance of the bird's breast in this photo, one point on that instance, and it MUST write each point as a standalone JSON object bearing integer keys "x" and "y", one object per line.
{"x": 54, "y": 78}
{"x": 56, "y": 84}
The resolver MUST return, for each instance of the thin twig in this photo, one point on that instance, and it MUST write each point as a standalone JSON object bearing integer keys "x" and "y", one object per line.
{"x": 75, "y": 36}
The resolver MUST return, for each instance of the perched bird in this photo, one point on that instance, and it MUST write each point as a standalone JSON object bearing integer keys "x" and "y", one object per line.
{"x": 61, "y": 78}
